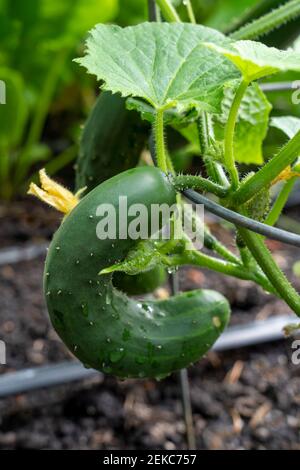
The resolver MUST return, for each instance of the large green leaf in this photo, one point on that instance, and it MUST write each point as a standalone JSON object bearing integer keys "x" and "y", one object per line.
{"x": 290, "y": 125}
{"x": 164, "y": 64}
{"x": 251, "y": 127}
{"x": 255, "y": 60}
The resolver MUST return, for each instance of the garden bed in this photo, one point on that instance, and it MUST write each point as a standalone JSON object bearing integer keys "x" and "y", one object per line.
{"x": 246, "y": 399}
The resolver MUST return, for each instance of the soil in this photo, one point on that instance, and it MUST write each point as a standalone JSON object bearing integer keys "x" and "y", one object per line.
{"x": 243, "y": 399}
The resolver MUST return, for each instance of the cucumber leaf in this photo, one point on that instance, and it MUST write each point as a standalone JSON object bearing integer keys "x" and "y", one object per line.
{"x": 290, "y": 125}
{"x": 164, "y": 64}
{"x": 144, "y": 257}
{"x": 251, "y": 127}
{"x": 255, "y": 60}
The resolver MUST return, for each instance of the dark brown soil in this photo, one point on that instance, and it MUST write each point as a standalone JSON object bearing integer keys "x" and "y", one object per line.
{"x": 246, "y": 399}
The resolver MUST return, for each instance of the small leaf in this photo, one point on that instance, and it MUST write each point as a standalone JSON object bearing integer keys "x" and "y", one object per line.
{"x": 290, "y": 125}
{"x": 142, "y": 258}
{"x": 255, "y": 60}
{"x": 251, "y": 127}
{"x": 164, "y": 64}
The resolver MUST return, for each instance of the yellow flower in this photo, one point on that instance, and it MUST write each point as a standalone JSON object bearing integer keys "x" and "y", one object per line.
{"x": 286, "y": 175}
{"x": 55, "y": 194}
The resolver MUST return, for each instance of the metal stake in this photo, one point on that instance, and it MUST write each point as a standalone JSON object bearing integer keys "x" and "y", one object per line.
{"x": 185, "y": 385}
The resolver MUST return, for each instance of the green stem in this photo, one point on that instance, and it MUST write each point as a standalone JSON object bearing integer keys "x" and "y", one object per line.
{"x": 182, "y": 182}
{"x": 168, "y": 11}
{"x": 197, "y": 258}
{"x": 229, "y": 134}
{"x": 190, "y": 11}
{"x": 269, "y": 22}
{"x": 214, "y": 169}
{"x": 210, "y": 241}
{"x": 280, "y": 202}
{"x": 160, "y": 141}
{"x": 213, "y": 244}
{"x": 265, "y": 260}
{"x": 170, "y": 165}
{"x": 264, "y": 177}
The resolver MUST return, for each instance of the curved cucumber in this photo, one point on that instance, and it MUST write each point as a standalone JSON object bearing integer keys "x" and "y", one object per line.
{"x": 111, "y": 142}
{"x": 104, "y": 328}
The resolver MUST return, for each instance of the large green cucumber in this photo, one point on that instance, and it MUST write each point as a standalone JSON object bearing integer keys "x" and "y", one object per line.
{"x": 111, "y": 142}
{"x": 104, "y": 328}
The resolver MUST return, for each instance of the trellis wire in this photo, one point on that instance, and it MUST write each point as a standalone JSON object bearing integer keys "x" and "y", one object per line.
{"x": 243, "y": 221}
{"x": 279, "y": 86}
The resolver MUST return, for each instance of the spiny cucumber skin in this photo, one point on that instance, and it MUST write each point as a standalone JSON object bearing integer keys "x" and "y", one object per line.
{"x": 101, "y": 326}
{"x": 143, "y": 283}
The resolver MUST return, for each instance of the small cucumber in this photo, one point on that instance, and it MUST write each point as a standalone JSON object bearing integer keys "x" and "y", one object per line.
{"x": 104, "y": 328}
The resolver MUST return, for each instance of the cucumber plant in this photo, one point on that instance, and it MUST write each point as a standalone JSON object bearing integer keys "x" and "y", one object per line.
{"x": 204, "y": 85}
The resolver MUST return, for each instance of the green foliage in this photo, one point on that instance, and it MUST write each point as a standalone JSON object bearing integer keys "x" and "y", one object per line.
{"x": 198, "y": 81}
{"x": 14, "y": 112}
{"x": 290, "y": 125}
{"x": 255, "y": 60}
{"x": 164, "y": 64}
{"x": 251, "y": 126}
{"x": 38, "y": 39}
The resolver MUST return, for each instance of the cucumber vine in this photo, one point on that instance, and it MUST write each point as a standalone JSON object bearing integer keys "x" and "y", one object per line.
{"x": 201, "y": 84}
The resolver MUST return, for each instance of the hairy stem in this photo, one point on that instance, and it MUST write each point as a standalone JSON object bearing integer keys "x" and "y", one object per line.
{"x": 280, "y": 202}
{"x": 182, "y": 182}
{"x": 229, "y": 134}
{"x": 265, "y": 260}
{"x": 264, "y": 177}
{"x": 213, "y": 244}
{"x": 161, "y": 153}
{"x": 269, "y": 22}
{"x": 190, "y": 11}
{"x": 168, "y": 11}
{"x": 214, "y": 169}
{"x": 197, "y": 258}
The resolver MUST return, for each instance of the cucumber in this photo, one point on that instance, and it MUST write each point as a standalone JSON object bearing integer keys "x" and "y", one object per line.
{"x": 104, "y": 328}
{"x": 111, "y": 142}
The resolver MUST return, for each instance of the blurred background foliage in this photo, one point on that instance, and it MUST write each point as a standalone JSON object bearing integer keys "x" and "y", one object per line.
{"x": 49, "y": 96}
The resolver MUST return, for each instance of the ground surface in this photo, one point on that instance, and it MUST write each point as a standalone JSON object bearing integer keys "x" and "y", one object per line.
{"x": 247, "y": 399}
